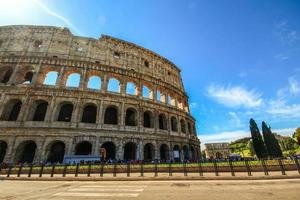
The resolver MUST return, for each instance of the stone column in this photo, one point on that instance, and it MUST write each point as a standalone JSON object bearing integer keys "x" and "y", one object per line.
{"x": 14, "y": 74}
{"x": 60, "y": 78}
{"x": 11, "y": 150}
{"x": 97, "y": 146}
{"x": 123, "y": 88}
{"x": 50, "y": 110}
{"x": 122, "y": 120}
{"x": 24, "y": 108}
{"x": 83, "y": 79}
{"x": 76, "y": 111}
{"x": 104, "y": 84}
{"x": 139, "y": 151}
{"x": 70, "y": 146}
{"x": 36, "y": 74}
{"x": 2, "y": 104}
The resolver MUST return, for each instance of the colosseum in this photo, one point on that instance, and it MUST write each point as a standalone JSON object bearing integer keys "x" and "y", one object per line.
{"x": 68, "y": 95}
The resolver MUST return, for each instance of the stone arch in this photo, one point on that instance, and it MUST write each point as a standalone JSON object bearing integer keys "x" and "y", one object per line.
{"x": 130, "y": 151}
{"x": 182, "y": 126}
{"x": 3, "y": 148}
{"x": 113, "y": 85}
{"x": 176, "y": 152}
{"x": 89, "y": 113}
{"x": 193, "y": 153}
{"x": 11, "y": 110}
{"x": 189, "y": 128}
{"x": 50, "y": 78}
{"x": 149, "y": 152}
{"x": 94, "y": 82}
{"x": 174, "y": 124}
{"x": 186, "y": 155}
{"x": 148, "y": 119}
{"x": 147, "y": 91}
{"x": 131, "y": 88}
{"x": 164, "y": 152}
{"x": 131, "y": 117}
{"x": 5, "y": 74}
{"x": 83, "y": 148}
{"x": 55, "y": 151}
{"x": 111, "y": 115}
{"x": 162, "y": 121}
{"x": 219, "y": 155}
{"x": 25, "y": 152}
{"x": 39, "y": 110}
{"x": 65, "y": 112}
{"x": 110, "y": 148}
{"x": 161, "y": 95}
{"x": 73, "y": 80}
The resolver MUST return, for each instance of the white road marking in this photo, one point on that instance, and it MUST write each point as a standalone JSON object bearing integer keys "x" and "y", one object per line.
{"x": 78, "y": 194}
{"x": 106, "y": 190}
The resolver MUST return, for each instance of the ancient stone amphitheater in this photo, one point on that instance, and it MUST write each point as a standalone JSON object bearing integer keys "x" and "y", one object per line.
{"x": 67, "y": 95}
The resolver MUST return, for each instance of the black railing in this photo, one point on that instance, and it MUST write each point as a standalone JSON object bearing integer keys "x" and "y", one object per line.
{"x": 185, "y": 168}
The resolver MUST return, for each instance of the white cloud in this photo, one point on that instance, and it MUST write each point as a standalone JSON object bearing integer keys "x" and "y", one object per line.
{"x": 58, "y": 16}
{"x": 294, "y": 86}
{"x": 280, "y": 109}
{"x": 286, "y": 35}
{"x": 281, "y": 57}
{"x": 193, "y": 105}
{"x": 234, "y": 121}
{"x": 235, "y": 96}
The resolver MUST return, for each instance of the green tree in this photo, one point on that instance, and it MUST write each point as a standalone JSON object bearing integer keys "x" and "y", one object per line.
{"x": 271, "y": 142}
{"x": 258, "y": 144}
{"x": 296, "y": 135}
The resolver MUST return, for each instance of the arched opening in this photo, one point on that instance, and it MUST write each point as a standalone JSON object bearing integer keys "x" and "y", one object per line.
{"x": 162, "y": 122}
{"x": 193, "y": 153}
{"x": 130, "y": 151}
{"x": 73, "y": 80}
{"x": 89, "y": 114}
{"x": 148, "y": 119}
{"x": 83, "y": 148}
{"x": 25, "y": 152}
{"x": 176, "y": 153}
{"x": 149, "y": 152}
{"x": 110, "y": 150}
{"x": 56, "y": 152}
{"x": 219, "y": 155}
{"x": 130, "y": 119}
{"x": 94, "y": 83}
{"x": 3, "y": 147}
{"x": 113, "y": 85}
{"x": 164, "y": 152}
{"x": 189, "y": 128}
{"x": 28, "y": 78}
{"x": 11, "y": 110}
{"x": 182, "y": 126}
{"x": 51, "y": 78}
{"x": 40, "y": 111}
{"x": 111, "y": 115}
{"x": 65, "y": 113}
{"x": 131, "y": 88}
{"x": 6, "y": 75}
{"x": 186, "y": 155}
{"x": 147, "y": 93}
{"x": 174, "y": 126}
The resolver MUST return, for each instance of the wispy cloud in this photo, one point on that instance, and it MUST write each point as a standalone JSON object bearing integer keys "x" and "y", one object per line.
{"x": 234, "y": 120}
{"x": 58, "y": 16}
{"x": 234, "y": 96}
{"x": 285, "y": 33}
{"x": 279, "y": 108}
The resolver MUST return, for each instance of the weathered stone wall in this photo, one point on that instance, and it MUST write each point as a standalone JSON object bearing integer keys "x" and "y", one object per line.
{"x": 40, "y": 50}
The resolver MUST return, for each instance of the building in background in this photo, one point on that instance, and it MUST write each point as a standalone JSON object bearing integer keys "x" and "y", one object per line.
{"x": 217, "y": 150}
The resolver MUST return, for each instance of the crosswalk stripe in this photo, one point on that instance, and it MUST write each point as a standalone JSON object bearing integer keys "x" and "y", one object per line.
{"x": 77, "y": 194}
{"x": 106, "y": 189}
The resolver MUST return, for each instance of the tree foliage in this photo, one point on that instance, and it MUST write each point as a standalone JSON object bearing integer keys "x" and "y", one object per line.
{"x": 258, "y": 143}
{"x": 271, "y": 142}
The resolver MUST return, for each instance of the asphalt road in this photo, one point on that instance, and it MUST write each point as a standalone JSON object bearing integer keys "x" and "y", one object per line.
{"x": 151, "y": 190}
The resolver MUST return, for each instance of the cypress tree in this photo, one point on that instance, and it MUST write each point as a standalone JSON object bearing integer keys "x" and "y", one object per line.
{"x": 258, "y": 144}
{"x": 271, "y": 142}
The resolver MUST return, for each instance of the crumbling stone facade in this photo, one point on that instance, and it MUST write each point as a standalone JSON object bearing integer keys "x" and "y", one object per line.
{"x": 44, "y": 115}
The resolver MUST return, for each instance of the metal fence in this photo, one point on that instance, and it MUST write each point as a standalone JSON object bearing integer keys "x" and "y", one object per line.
{"x": 195, "y": 168}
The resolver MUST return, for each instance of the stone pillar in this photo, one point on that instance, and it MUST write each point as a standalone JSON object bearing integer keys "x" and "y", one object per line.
{"x": 14, "y": 74}
{"x": 154, "y": 93}
{"x": 119, "y": 150}
{"x": 97, "y": 146}
{"x": 76, "y": 111}
{"x": 39, "y": 152}
{"x": 11, "y": 150}
{"x": 50, "y": 110}
{"x": 2, "y": 104}
{"x": 139, "y": 151}
{"x": 70, "y": 146}
{"x": 122, "y": 110}
{"x": 83, "y": 79}
{"x": 100, "y": 114}
{"x": 123, "y": 88}
{"x": 60, "y": 78}
{"x": 104, "y": 84}
{"x": 36, "y": 74}
{"x": 25, "y": 106}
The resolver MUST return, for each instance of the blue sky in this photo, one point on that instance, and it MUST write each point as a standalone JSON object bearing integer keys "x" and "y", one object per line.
{"x": 239, "y": 59}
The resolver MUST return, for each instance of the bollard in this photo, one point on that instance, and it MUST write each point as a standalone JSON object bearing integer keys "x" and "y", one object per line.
{"x": 20, "y": 169}
{"x": 184, "y": 169}
{"x": 52, "y": 170}
{"x": 231, "y": 168}
{"x": 77, "y": 169}
{"x": 9, "y": 170}
{"x": 248, "y": 168}
{"x": 41, "y": 170}
{"x": 216, "y": 168}
{"x": 101, "y": 169}
{"x": 264, "y": 167}
{"x": 115, "y": 170}
{"x": 170, "y": 169}
{"x": 89, "y": 170}
{"x": 200, "y": 169}
{"x": 64, "y": 171}
{"x": 30, "y": 170}
{"x": 128, "y": 169}
{"x": 155, "y": 168}
{"x": 297, "y": 165}
{"x": 281, "y": 166}
{"x": 142, "y": 169}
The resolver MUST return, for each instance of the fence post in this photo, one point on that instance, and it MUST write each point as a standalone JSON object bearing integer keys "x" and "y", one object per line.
{"x": 216, "y": 168}
{"x": 248, "y": 168}
{"x": 184, "y": 169}
{"x": 281, "y": 166}
{"x": 115, "y": 170}
{"x": 142, "y": 169}
{"x": 30, "y": 170}
{"x": 128, "y": 169}
{"x": 20, "y": 169}
{"x": 77, "y": 169}
{"x": 65, "y": 170}
{"x": 89, "y": 170}
{"x": 41, "y": 170}
{"x": 170, "y": 169}
{"x": 297, "y": 165}
{"x": 155, "y": 168}
{"x": 101, "y": 169}
{"x": 231, "y": 167}
{"x": 9, "y": 170}
{"x": 52, "y": 170}
{"x": 264, "y": 167}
